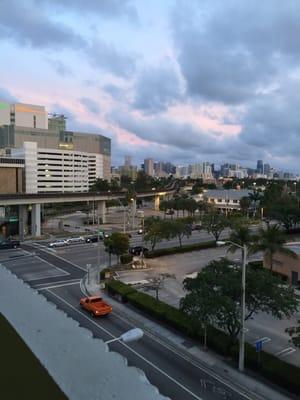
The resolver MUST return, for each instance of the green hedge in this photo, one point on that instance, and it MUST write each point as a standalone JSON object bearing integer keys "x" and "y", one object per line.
{"x": 270, "y": 367}
{"x": 183, "y": 249}
{"x": 118, "y": 288}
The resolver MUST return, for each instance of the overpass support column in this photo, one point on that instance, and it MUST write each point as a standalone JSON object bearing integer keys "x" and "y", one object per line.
{"x": 102, "y": 211}
{"x": 156, "y": 203}
{"x": 36, "y": 220}
{"x": 23, "y": 221}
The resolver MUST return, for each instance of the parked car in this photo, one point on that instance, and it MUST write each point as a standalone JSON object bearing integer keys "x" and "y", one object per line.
{"x": 196, "y": 227}
{"x": 75, "y": 240}
{"x": 58, "y": 243}
{"x": 137, "y": 250}
{"x": 92, "y": 239}
{"x": 96, "y": 306}
{"x": 170, "y": 212}
{"x": 140, "y": 231}
{"x": 9, "y": 244}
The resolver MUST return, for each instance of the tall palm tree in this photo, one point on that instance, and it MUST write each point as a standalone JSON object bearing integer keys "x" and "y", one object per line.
{"x": 255, "y": 197}
{"x": 240, "y": 235}
{"x": 271, "y": 240}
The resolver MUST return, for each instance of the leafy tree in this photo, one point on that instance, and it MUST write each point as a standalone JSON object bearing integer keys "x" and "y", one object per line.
{"x": 117, "y": 243}
{"x": 222, "y": 280}
{"x": 214, "y": 223}
{"x": 176, "y": 228}
{"x": 245, "y": 204}
{"x": 255, "y": 198}
{"x": 156, "y": 283}
{"x": 240, "y": 235}
{"x": 200, "y": 311}
{"x": 286, "y": 211}
{"x": 271, "y": 240}
{"x": 100, "y": 185}
{"x": 154, "y": 233}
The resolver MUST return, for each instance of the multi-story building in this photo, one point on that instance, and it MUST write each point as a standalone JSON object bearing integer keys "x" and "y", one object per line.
{"x": 55, "y": 159}
{"x": 149, "y": 166}
{"x": 260, "y": 167}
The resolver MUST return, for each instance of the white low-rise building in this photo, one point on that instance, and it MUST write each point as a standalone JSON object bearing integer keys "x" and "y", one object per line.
{"x": 55, "y": 170}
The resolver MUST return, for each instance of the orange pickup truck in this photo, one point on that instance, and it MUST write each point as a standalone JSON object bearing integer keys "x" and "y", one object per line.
{"x": 96, "y": 306}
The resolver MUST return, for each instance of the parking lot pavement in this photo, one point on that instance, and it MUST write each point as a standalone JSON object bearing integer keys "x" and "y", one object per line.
{"x": 28, "y": 266}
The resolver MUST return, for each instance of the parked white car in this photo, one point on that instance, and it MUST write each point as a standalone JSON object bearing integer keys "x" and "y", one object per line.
{"x": 58, "y": 243}
{"x": 75, "y": 240}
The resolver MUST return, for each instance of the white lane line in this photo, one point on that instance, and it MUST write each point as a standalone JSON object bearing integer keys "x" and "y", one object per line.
{"x": 153, "y": 337}
{"x": 40, "y": 277}
{"x": 129, "y": 348}
{"x": 59, "y": 285}
{"x": 64, "y": 259}
{"x": 285, "y": 352}
{"x": 41, "y": 285}
{"x": 186, "y": 358}
{"x": 52, "y": 266}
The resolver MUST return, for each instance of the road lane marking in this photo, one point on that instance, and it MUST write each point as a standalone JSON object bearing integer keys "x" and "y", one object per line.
{"x": 53, "y": 266}
{"x": 154, "y": 338}
{"x": 40, "y": 277}
{"x": 285, "y": 352}
{"x": 64, "y": 259}
{"x": 129, "y": 348}
{"x": 59, "y": 285}
{"x": 41, "y": 285}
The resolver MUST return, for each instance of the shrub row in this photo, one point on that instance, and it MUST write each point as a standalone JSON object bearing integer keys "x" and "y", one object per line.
{"x": 183, "y": 249}
{"x": 269, "y": 366}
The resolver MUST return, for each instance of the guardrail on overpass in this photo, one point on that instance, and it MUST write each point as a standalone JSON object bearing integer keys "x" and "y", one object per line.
{"x": 44, "y": 198}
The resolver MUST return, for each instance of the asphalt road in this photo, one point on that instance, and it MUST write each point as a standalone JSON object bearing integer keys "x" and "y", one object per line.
{"x": 175, "y": 375}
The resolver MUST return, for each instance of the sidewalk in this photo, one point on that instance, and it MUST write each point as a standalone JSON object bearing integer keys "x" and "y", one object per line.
{"x": 187, "y": 347}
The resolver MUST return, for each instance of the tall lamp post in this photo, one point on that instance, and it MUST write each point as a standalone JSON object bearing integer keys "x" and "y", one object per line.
{"x": 243, "y": 301}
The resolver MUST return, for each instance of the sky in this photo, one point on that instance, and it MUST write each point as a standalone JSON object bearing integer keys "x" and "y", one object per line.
{"x": 183, "y": 81}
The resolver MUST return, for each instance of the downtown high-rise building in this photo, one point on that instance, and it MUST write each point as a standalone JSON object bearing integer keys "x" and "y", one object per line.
{"x": 149, "y": 166}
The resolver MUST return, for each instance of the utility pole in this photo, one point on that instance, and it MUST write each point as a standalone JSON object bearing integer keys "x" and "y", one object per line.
{"x": 243, "y": 311}
{"x": 98, "y": 248}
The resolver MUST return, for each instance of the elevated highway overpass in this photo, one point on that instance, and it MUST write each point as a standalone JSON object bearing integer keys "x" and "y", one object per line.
{"x": 23, "y": 200}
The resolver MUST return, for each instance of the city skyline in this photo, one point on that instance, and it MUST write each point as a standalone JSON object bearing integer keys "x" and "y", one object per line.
{"x": 129, "y": 71}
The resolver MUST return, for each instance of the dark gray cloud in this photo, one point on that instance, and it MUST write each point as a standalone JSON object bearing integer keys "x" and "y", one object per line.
{"x": 164, "y": 131}
{"x": 61, "y": 68}
{"x": 156, "y": 89}
{"x": 6, "y": 96}
{"x": 104, "y": 8}
{"x": 228, "y": 53}
{"x": 110, "y": 59}
{"x": 28, "y": 25}
{"x": 90, "y": 104}
{"x": 272, "y": 121}
{"x": 115, "y": 92}
{"x": 182, "y": 142}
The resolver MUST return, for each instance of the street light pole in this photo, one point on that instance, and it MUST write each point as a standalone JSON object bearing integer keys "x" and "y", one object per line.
{"x": 98, "y": 243}
{"x": 243, "y": 301}
{"x": 243, "y": 311}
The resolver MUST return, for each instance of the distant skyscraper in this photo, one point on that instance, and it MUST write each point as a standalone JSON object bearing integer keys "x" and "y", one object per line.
{"x": 260, "y": 166}
{"x": 149, "y": 166}
{"x": 267, "y": 169}
{"x": 127, "y": 161}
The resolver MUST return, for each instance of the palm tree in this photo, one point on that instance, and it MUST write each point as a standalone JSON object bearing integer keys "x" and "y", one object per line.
{"x": 255, "y": 197}
{"x": 242, "y": 236}
{"x": 271, "y": 240}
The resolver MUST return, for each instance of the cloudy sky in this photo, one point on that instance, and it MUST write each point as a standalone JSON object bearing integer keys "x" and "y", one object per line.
{"x": 185, "y": 81}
